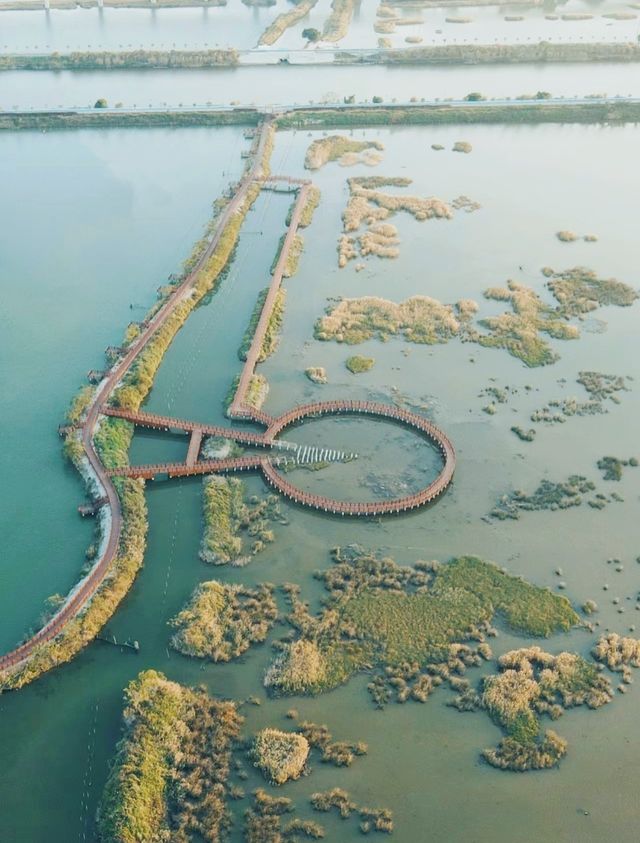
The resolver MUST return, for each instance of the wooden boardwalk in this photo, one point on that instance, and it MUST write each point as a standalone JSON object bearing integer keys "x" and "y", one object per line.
{"x": 268, "y": 464}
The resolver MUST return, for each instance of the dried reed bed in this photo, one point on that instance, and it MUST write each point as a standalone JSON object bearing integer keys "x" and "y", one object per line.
{"x": 419, "y": 319}
{"x": 221, "y": 621}
{"x": 280, "y": 756}
{"x": 333, "y": 147}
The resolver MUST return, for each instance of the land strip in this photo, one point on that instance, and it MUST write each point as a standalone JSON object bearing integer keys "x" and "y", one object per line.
{"x": 576, "y": 110}
{"x": 447, "y": 54}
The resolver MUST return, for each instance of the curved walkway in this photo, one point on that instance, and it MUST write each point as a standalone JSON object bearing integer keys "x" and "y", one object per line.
{"x": 268, "y": 465}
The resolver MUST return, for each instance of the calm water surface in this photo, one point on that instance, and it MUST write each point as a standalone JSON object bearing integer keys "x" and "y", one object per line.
{"x": 139, "y": 209}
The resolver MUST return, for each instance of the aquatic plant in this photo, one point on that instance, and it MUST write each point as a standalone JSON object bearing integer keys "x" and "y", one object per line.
{"x": 462, "y": 146}
{"x": 580, "y": 290}
{"x": 221, "y": 621}
{"x": 524, "y": 435}
{"x": 549, "y": 495}
{"x": 281, "y": 756}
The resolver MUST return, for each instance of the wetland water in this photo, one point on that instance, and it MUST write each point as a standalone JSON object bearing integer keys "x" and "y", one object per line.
{"x": 123, "y": 233}
{"x": 281, "y": 85}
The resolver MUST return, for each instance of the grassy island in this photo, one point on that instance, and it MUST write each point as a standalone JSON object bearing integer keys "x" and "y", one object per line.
{"x": 281, "y": 756}
{"x": 333, "y": 148}
{"x": 358, "y": 364}
{"x": 222, "y": 621}
{"x": 122, "y": 60}
{"x": 391, "y": 617}
{"x": 279, "y": 26}
{"x": 170, "y": 773}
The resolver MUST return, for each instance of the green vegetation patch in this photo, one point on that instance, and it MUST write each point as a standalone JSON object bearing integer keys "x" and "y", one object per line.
{"x": 358, "y": 364}
{"x": 227, "y": 517}
{"x": 220, "y": 621}
{"x": 381, "y": 614}
{"x": 279, "y": 25}
{"x": 169, "y": 776}
{"x": 371, "y": 819}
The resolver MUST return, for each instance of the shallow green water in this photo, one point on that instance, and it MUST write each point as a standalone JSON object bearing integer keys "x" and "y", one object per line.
{"x": 58, "y": 734}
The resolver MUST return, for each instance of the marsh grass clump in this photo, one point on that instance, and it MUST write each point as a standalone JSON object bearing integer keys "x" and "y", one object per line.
{"x": 334, "y": 799}
{"x": 617, "y": 652}
{"x": 333, "y": 148}
{"x": 533, "y": 683}
{"x": 419, "y": 319}
{"x": 548, "y": 495}
{"x": 413, "y": 624}
{"x": 369, "y": 206}
{"x": 263, "y": 820}
{"x": 281, "y": 756}
{"x": 227, "y": 516}
{"x": 221, "y": 621}
{"x": 358, "y": 364}
{"x": 580, "y": 290}
{"x": 462, "y": 146}
{"x": 602, "y": 387}
{"x": 316, "y": 374}
{"x": 306, "y": 216}
{"x": 567, "y": 236}
{"x": 524, "y": 435}
{"x": 611, "y": 467}
{"x": 337, "y": 24}
{"x": 284, "y": 21}
{"x": 519, "y": 332}
{"x": 170, "y": 773}
{"x": 338, "y": 753}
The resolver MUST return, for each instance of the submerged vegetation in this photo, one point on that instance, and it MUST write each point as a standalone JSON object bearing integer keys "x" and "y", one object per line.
{"x": 170, "y": 773}
{"x": 551, "y": 496}
{"x": 227, "y": 516}
{"x": 378, "y": 613}
{"x": 222, "y": 621}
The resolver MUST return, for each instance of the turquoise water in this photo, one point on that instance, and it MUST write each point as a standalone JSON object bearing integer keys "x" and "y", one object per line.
{"x": 125, "y": 226}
